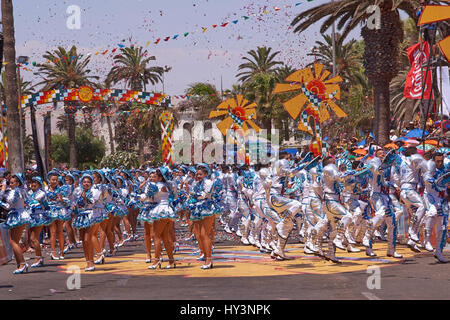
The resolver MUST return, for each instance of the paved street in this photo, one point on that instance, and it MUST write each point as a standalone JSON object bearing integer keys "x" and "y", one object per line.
{"x": 239, "y": 273}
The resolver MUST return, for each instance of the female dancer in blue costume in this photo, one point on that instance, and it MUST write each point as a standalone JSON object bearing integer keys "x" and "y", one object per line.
{"x": 147, "y": 198}
{"x": 100, "y": 182}
{"x": 87, "y": 218}
{"x": 202, "y": 213}
{"x": 126, "y": 218}
{"x": 162, "y": 215}
{"x": 120, "y": 198}
{"x": 17, "y": 218}
{"x": 69, "y": 190}
{"x": 58, "y": 213}
{"x": 37, "y": 207}
{"x": 182, "y": 207}
{"x": 133, "y": 205}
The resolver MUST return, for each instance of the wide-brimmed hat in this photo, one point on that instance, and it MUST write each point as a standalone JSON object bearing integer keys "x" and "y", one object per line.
{"x": 21, "y": 178}
{"x": 204, "y": 166}
{"x": 86, "y": 175}
{"x": 52, "y": 173}
{"x": 166, "y": 173}
{"x": 38, "y": 180}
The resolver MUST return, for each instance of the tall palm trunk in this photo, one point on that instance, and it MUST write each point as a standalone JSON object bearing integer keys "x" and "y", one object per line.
{"x": 70, "y": 111}
{"x": 381, "y": 57}
{"x": 48, "y": 137}
{"x": 137, "y": 86}
{"x": 409, "y": 110}
{"x": 141, "y": 149}
{"x": 37, "y": 153}
{"x": 382, "y": 100}
{"x": 111, "y": 135}
{"x": 15, "y": 148}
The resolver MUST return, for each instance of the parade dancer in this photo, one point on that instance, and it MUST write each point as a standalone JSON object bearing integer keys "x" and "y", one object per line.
{"x": 312, "y": 205}
{"x": 162, "y": 215}
{"x": 188, "y": 185}
{"x": 145, "y": 215}
{"x": 181, "y": 206}
{"x": 295, "y": 191}
{"x": 235, "y": 214}
{"x": 127, "y": 218}
{"x": 217, "y": 198}
{"x": 100, "y": 211}
{"x": 17, "y": 218}
{"x": 37, "y": 207}
{"x": 355, "y": 198}
{"x": 286, "y": 208}
{"x": 410, "y": 173}
{"x": 57, "y": 213}
{"x": 202, "y": 213}
{"x": 380, "y": 167}
{"x": 338, "y": 216}
{"x": 107, "y": 225}
{"x": 120, "y": 198}
{"x": 87, "y": 218}
{"x": 133, "y": 206}
{"x": 245, "y": 191}
{"x": 68, "y": 193}
{"x": 230, "y": 197}
{"x": 267, "y": 218}
{"x": 437, "y": 181}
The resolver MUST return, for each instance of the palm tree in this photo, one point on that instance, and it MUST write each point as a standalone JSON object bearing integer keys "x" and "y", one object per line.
{"x": 259, "y": 76}
{"x": 61, "y": 123}
{"x": 348, "y": 58}
{"x": 147, "y": 125}
{"x": 15, "y": 148}
{"x": 235, "y": 90}
{"x": 107, "y": 109}
{"x": 131, "y": 66}
{"x": 204, "y": 98}
{"x": 259, "y": 89}
{"x": 67, "y": 69}
{"x": 260, "y": 61}
{"x": 381, "y": 45}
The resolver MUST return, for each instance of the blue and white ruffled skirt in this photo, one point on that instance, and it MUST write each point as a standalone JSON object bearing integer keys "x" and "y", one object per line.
{"x": 16, "y": 218}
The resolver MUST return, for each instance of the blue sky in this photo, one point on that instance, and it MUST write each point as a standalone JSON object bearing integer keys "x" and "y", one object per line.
{"x": 41, "y": 26}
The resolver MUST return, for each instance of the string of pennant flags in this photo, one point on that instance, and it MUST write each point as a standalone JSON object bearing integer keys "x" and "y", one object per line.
{"x": 27, "y": 65}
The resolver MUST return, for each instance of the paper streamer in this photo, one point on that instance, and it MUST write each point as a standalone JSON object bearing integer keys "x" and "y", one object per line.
{"x": 274, "y": 9}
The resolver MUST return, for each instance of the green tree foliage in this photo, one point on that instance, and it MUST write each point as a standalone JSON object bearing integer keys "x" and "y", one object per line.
{"x": 204, "y": 98}
{"x": 90, "y": 149}
{"x": 67, "y": 69}
{"x": 131, "y": 66}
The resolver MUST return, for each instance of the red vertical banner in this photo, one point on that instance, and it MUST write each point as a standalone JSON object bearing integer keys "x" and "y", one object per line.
{"x": 418, "y": 56}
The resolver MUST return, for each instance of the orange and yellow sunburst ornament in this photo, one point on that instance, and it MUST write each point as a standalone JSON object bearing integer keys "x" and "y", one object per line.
{"x": 315, "y": 101}
{"x": 239, "y": 113}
